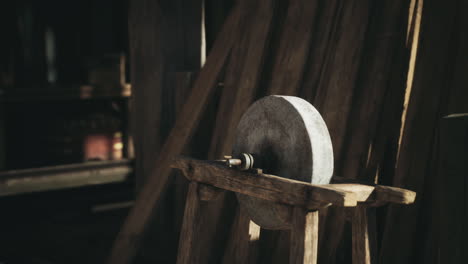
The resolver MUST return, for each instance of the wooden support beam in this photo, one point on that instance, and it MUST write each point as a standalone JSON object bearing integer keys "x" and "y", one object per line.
{"x": 304, "y": 237}
{"x": 269, "y": 187}
{"x": 360, "y": 236}
{"x": 148, "y": 199}
{"x": 190, "y": 226}
{"x": 237, "y": 250}
{"x": 264, "y": 186}
{"x": 378, "y": 193}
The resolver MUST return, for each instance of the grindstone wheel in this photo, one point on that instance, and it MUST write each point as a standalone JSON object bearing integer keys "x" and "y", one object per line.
{"x": 287, "y": 137}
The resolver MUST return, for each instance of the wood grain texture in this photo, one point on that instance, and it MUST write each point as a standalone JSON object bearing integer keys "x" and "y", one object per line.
{"x": 379, "y": 194}
{"x": 359, "y": 98}
{"x": 165, "y": 52}
{"x": 293, "y": 47}
{"x": 209, "y": 193}
{"x": 243, "y": 72}
{"x": 428, "y": 100}
{"x": 153, "y": 190}
{"x": 190, "y": 226}
{"x": 237, "y": 250}
{"x": 304, "y": 237}
{"x": 450, "y": 187}
{"x": 335, "y": 91}
{"x": 242, "y": 75}
{"x": 380, "y": 85}
{"x": 254, "y": 243}
{"x": 264, "y": 186}
{"x": 322, "y": 46}
{"x": 360, "y": 236}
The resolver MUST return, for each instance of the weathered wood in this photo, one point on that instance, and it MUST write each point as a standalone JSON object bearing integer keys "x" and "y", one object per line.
{"x": 450, "y": 186}
{"x": 190, "y": 226}
{"x": 181, "y": 86}
{"x": 241, "y": 78}
{"x": 269, "y": 186}
{"x": 321, "y": 48}
{"x": 335, "y": 89}
{"x": 165, "y": 40}
{"x": 378, "y": 193}
{"x": 427, "y": 103}
{"x": 304, "y": 237}
{"x": 242, "y": 75}
{"x": 17, "y": 182}
{"x": 394, "y": 195}
{"x": 293, "y": 48}
{"x": 264, "y": 186}
{"x": 237, "y": 249}
{"x": 208, "y": 193}
{"x": 254, "y": 242}
{"x": 379, "y": 91}
{"x": 149, "y": 198}
{"x": 360, "y": 236}
{"x": 347, "y": 77}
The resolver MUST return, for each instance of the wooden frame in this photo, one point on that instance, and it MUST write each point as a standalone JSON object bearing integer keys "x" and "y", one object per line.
{"x": 306, "y": 200}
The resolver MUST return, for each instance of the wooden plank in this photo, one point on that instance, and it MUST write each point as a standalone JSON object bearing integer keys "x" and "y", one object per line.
{"x": 146, "y": 71}
{"x": 237, "y": 250}
{"x": 450, "y": 210}
{"x": 209, "y": 193}
{"x": 380, "y": 85}
{"x": 335, "y": 89}
{"x": 242, "y": 76}
{"x": 304, "y": 237}
{"x": 394, "y": 195}
{"x": 165, "y": 40}
{"x": 293, "y": 47}
{"x": 360, "y": 236}
{"x": 427, "y": 103}
{"x": 361, "y": 99}
{"x": 322, "y": 46}
{"x": 254, "y": 243}
{"x": 264, "y": 186}
{"x": 377, "y": 193}
{"x": 148, "y": 199}
{"x": 241, "y": 79}
{"x": 190, "y": 226}
{"x": 65, "y": 176}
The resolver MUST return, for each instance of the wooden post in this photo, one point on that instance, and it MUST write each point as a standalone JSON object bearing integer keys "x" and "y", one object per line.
{"x": 360, "y": 237}
{"x": 304, "y": 237}
{"x": 190, "y": 226}
{"x": 237, "y": 249}
{"x": 150, "y": 196}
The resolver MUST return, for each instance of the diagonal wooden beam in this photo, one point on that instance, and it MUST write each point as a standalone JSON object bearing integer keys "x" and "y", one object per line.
{"x": 242, "y": 77}
{"x": 148, "y": 199}
{"x": 293, "y": 49}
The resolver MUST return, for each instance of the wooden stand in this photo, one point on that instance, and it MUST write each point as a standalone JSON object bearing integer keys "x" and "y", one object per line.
{"x": 208, "y": 178}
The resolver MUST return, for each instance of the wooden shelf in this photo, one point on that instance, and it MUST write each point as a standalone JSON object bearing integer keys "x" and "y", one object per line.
{"x": 64, "y": 176}
{"x": 83, "y": 92}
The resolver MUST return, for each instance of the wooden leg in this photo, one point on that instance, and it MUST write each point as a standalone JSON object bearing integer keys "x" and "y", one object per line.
{"x": 361, "y": 245}
{"x": 304, "y": 237}
{"x": 190, "y": 226}
{"x": 254, "y": 240}
{"x": 238, "y": 243}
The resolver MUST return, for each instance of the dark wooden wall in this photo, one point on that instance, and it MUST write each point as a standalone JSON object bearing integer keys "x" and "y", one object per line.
{"x": 382, "y": 74}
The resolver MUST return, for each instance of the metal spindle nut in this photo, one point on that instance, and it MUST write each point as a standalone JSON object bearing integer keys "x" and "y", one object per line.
{"x": 244, "y": 162}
